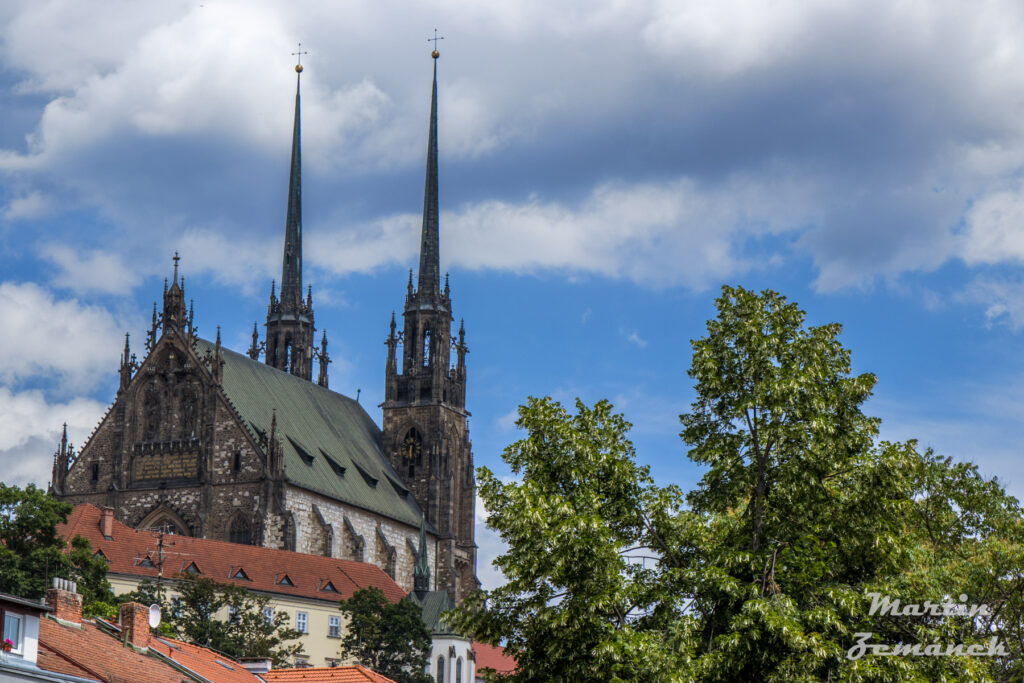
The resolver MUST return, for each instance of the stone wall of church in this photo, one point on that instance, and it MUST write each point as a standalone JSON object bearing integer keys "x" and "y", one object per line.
{"x": 368, "y": 525}
{"x": 80, "y": 478}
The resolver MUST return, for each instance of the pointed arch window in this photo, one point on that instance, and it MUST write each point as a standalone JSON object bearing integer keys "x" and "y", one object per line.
{"x": 151, "y": 414}
{"x": 426, "y": 346}
{"x": 440, "y": 669}
{"x": 241, "y": 531}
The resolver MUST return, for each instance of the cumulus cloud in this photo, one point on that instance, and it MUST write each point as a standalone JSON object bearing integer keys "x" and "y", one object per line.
{"x": 647, "y": 138}
{"x": 654, "y": 233}
{"x": 994, "y": 227}
{"x": 1001, "y": 296}
{"x": 71, "y": 342}
{"x": 32, "y": 205}
{"x": 99, "y": 270}
{"x": 30, "y": 429}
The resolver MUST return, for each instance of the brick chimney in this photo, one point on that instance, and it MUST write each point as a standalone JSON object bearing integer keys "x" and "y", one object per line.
{"x": 65, "y": 601}
{"x": 107, "y": 523}
{"x": 134, "y": 620}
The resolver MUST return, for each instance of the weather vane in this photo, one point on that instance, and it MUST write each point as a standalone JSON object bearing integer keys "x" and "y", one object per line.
{"x": 298, "y": 67}
{"x": 435, "y": 54}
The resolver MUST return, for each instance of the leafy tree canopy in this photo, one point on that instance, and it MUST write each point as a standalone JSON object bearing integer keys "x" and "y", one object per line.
{"x": 32, "y": 552}
{"x": 389, "y": 638}
{"x": 224, "y": 617}
{"x": 767, "y": 572}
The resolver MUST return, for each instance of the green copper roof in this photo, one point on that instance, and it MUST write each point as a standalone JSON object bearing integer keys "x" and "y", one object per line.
{"x": 434, "y": 604}
{"x": 331, "y": 446}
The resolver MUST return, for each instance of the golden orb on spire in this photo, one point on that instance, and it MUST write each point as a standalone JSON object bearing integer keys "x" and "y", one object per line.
{"x": 435, "y": 54}
{"x": 298, "y": 68}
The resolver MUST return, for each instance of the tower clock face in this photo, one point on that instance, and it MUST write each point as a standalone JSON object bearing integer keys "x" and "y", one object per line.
{"x": 411, "y": 448}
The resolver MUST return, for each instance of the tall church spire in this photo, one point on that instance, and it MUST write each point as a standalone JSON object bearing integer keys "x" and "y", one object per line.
{"x": 426, "y": 431}
{"x": 289, "y": 343}
{"x": 429, "y": 278}
{"x": 291, "y": 270}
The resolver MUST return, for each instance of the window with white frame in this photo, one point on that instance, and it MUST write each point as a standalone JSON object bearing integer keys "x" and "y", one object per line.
{"x": 334, "y": 627}
{"x": 13, "y": 630}
{"x": 301, "y": 620}
{"x": 268, "y": 614}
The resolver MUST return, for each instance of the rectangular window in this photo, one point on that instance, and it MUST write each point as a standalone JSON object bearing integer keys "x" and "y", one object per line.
{"x": 12, "y": 630}
{"x": 334, "y": 627}
{"x": 95, "y": 472}
{"x": 301, "y": 619}
{"x": 268, "y": 614}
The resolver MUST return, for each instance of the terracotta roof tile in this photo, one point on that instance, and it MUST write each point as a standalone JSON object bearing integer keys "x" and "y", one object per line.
{"x": 206, "y": 663}
{"x": 491, "y": 657}
{"x": 92, "y": 653}
{"x": 51, "y": 660}
{"x": 220, "y": 560}
{"x": 337, "y": 674}
{"x": 87, "y": 649}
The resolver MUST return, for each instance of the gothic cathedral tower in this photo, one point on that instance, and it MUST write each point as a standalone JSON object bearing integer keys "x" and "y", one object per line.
{"x": 289, "y": 341}
{"x": 425, "y": 431}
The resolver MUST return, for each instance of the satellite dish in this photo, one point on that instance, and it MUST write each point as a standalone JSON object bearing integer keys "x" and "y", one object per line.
{"x": 154, "y": 616}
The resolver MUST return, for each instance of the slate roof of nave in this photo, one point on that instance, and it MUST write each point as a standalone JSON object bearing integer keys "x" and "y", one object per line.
{"x": 331, "y": 445}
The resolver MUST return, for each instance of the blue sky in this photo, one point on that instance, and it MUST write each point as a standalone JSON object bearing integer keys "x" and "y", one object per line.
{"x": 605, "y": 168}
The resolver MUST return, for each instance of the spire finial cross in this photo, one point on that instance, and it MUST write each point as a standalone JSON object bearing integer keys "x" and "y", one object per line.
{"x": 299, "y": 55}
{"x": 176, "y": 258}
{"x": 434, "y": 41}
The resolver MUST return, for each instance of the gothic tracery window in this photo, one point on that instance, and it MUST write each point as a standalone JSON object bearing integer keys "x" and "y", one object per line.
{"x": 241, "y": 531}
{"x": 151, "y": 414}
{"x": 426, "y": 347}
{"x": 189, "y": 412}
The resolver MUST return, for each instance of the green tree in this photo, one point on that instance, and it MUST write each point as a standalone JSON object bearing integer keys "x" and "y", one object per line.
{"x": 573, "y": 606}
{"x": 766, "y": 574}
{"x": 800, "y": 514}
{"x": 32, "y": 551}
{"x": 389, "y": 638}
{"x": 194, "y": 615}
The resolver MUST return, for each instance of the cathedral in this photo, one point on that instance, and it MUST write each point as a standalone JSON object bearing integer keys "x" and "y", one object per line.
{"x": 203, "y": 441}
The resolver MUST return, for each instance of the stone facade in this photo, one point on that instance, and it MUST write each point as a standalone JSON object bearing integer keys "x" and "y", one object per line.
{"x": 174, "y": 452}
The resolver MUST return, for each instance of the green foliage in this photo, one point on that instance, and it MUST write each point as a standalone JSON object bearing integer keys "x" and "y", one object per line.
{"x": 194, "y": 615}
{"x": 32, "y": 552}
{"x": 765, "y": 574}
{"x": 569, "y": 606}
{"x": 389, "y": 638}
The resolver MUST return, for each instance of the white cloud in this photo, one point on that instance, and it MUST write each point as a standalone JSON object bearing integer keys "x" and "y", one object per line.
{"x": 252, "y": 262}
{"x": 1002, "y": 297}
{"x": 362, "y": 248}
{"x": 99, "y": 270}
{"x": 32, "y": 205}
{"x": 30, "y": 430}
{"x": 666, "y": 123}
{"x": 489, "y": 546}
{"x": 656, "y": 234}
{"x": 994, "y": 227}
{"x": 507, "y": 422}
{"x": 634, "y": 338}
{"x": 72, "y": 342}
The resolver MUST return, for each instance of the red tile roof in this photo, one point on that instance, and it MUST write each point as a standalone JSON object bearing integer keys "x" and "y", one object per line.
{"x": 206, "y": 663}
{"x": 128, "y": 549}
{"x": 491, "y": 657}
{"x": 93, "y": 654}
{"x": 337, "y": 674}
